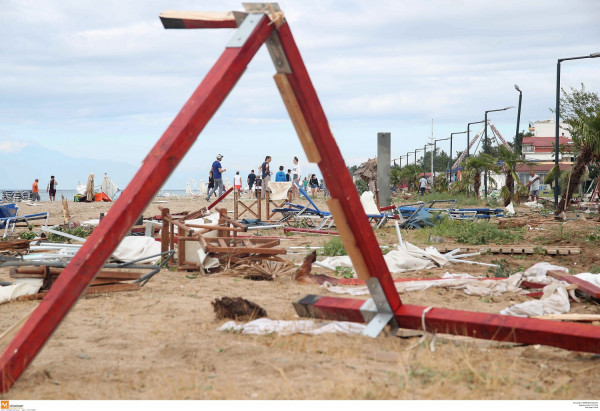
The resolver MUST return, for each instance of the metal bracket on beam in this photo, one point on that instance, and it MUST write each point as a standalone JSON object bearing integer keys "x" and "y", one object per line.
{"x": 377, "y": 311}
{"x": 277, "y": 54}
{"x": 245, "y": 30}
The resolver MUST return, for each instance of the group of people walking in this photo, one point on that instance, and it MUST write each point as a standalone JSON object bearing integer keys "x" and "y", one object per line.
{"x": 260, "y": 181}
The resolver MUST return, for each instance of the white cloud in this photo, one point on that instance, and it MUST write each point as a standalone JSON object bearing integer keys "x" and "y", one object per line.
{"x": 12, "y": 146}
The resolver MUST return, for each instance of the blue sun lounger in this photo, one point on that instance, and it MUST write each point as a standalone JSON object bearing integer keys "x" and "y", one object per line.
{"x": 311, "y": 213}
{"x": 9, "y": 218}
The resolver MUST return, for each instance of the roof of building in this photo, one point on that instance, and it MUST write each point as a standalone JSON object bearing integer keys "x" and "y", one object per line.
{"x": 546, "y": 141}
{"x": 541, "y": 167}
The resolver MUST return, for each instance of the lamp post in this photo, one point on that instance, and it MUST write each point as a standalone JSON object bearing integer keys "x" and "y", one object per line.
{"x": 418, "y": 149}
{"x": 432, "y": 163}
{"x": 469, "y": 136}
{"x": 485, "y": 145}
{"x": 450, "y": 157}
{"x": 517, "y": 145}
{"x": 556, "y": 141}
{"x": 435, "y": 149}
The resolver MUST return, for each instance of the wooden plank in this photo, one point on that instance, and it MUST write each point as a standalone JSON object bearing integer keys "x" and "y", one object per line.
{"x": 528, "y": 250}
{"x": 572, "y": 336}
{"x": 569, "y": 317}
{"x": 201, "y": 20}
{"x": 582, "y": 285}
{"x": 563, "y": 251}
{"x": 246, "y": 250}
{"x": 309, "y": 230}
{"x": 551, "y": 251}
{"x": 333, "y": 168}
{"x": 156, "y": 168}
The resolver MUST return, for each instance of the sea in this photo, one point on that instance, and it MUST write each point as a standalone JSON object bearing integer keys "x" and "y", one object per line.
{"x": 70, "y": 194}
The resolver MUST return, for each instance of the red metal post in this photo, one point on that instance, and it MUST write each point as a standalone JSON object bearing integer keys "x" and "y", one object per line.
{"x": 158, "y": 165}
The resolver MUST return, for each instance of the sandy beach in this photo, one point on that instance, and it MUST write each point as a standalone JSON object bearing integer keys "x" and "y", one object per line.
{"x": 162, "y": 342}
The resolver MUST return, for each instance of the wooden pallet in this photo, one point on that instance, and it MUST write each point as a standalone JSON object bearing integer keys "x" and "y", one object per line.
{"x": 512, "y": 249}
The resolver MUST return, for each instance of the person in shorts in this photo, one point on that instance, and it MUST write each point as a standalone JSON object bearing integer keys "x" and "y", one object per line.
{"x": 51, "y": 189}
{"x": 250, "y": 180}
{"x": 237, "y": 181}
{"x": 534, "y": 186}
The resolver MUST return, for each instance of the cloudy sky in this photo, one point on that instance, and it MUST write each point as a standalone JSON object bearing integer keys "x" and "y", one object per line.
{"x": 103, "y": 79}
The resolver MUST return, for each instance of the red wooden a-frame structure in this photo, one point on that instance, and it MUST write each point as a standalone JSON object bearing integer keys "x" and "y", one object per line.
{"x": 264, "y": 23}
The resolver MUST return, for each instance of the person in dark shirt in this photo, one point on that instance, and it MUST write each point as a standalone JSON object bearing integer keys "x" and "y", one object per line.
{"x": 265, "y": 176}
{"x": 250, "y": 181}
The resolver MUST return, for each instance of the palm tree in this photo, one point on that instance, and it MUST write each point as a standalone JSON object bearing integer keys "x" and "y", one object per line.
{"x": 586, "y": 138}
{"x": 476, "y": 165}
{"x": 510, "y": 159}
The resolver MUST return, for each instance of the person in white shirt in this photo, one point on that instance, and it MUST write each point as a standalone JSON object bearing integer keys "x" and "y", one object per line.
{"x": 296, "y": 175}
{"x": 237, "y": 181}
{"x": 534, "y": 186}
{"x": 423, "y": 185}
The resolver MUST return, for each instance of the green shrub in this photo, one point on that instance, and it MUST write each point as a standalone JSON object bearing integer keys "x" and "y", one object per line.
{"x": 334, "y": 247}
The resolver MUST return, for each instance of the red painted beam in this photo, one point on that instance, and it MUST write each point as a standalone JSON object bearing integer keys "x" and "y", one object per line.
{"x": 158, "y": 165}
{"x": 582, "y": 285}
{"x": 309, "y": 230}
{"x": 571, "y": 336}
{"x": 333, "y": 167}
{"x": 218, "y": 200}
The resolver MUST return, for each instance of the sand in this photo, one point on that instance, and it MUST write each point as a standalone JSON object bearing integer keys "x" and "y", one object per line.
{"x": 162, "y": 342}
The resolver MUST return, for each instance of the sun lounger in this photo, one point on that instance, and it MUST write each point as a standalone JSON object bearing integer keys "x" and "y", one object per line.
{"x": 9, "y": 218}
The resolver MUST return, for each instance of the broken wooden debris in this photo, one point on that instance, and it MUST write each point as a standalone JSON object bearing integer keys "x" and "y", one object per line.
{"x": 309, "y": 230}
{"x": 220, "y": 241}
{"x": 93, "y": 289}
{"x": 583, "y": 287}
{"x": 238, "y": 309}
{"x": 260, "y": 268}
{"x": 515, "y": 249}
{"x": 18, "y": 244}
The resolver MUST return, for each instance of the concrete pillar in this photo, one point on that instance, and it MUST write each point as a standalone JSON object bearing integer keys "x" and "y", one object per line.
{"x": 384, "y": 148}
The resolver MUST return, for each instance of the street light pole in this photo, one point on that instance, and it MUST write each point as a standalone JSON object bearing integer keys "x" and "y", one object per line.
{"x": 557, "y": 111}
{"x": 485, "y": 146}
{"x": 469, "y": 136}
{"x": 517, "y": 144}
{"x": 450, "y": 157}
{"x": 424, "y": 155}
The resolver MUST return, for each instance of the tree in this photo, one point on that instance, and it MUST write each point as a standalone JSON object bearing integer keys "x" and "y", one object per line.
{"x": 581, "y": 112}
{"x": 408, "y": 175}
{"x": 474, "y": 166}
{"x": 510, "y": 159}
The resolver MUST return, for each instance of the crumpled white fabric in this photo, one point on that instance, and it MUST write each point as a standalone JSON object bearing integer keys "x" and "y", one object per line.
{"x": 537, "y": 272}
{"x": 400, "y": 260}
{"x": 555, "y": 300}
{"x": 510, "y": 210}
{"x": 533, "y": 204}
{"x": 267, "y": 326}
{"x": 593, "y": 279}
{"x": 21, "y": 286}
{"x": 471, "y": 285}
{"x": 279, "y": 189}
{"x": 134, "y": 247}
{"x": 367, "y": 199}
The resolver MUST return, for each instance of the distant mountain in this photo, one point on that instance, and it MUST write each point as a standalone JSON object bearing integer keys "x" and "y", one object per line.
{"x": 19, "y": 170}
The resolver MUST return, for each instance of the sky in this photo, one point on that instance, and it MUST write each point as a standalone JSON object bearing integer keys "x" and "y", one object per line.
{"x": 103, "y": 79}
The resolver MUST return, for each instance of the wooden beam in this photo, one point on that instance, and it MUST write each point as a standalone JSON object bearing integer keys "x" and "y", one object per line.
{"x": 334, "y": 169}
{"x": 583, "y": 286}
{"x": 298, "y": 120}
{"x": 201, "y": 20}
{"x": 572, "y": 336}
